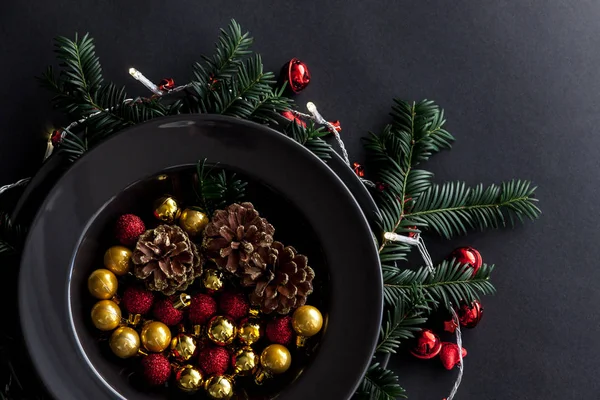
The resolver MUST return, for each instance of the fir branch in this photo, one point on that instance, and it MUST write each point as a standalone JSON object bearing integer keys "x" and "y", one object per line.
{"x": 216, "y": 188}
{"x": 402, "y": 320}
{"x": 12, "y": 236}
{"x": 452, "y": 208}
{"x": 380, "y": 384}
{"x": 310, "y": 137}
{"x": 269, "y": 107}
{"x": 73, "y": 146}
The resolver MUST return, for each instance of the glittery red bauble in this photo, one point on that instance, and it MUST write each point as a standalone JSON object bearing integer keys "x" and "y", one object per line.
{"x": 156, "y": 369}
{"x": 280, "y": 330}
{"x": 214, "y": 360}
{"x": 428, "y": 345}
{"x": 128, "y": 228}
{"x": 290, "y": 115}
{"x": 468, "y": 255}
{"x": 470, "y": 315}
{"x": 234, "y": 305}
{"x": 449, "y": 355}
{"x": 202, "y": 308}
{"x": 297, "y": 75}
{"x": 166, "y": 313}
{"x": 137, "y": 300}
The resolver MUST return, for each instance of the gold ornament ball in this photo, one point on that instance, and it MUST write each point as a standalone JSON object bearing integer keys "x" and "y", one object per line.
{"x": 188, "y": 379}
{"x": 183, "y": 347}
{"x": 125, "y": 342}
{"x": 276, "y": 359}
{"x": 166, "y": 209}
{"x": 156, "y": 336}
{"x": 102, "y": 284}
{"x": 221, "y": 330}
{"x": 213, "y": 279}
{"x": 249, "y": 331}
{"x": 117, "y": 259}
{"x": 307, "y": 321}
{"x": 193, "y": 221}
{"x": 219, "y": 388}
{"x": 245, "y": 361}
{"x": 106, "y": 315}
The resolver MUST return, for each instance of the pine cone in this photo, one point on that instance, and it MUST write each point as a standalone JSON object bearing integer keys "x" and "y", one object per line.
{"x": 285, "y": 282}
{"x": 235, "y": 234}
{"x": 166, "y": 259}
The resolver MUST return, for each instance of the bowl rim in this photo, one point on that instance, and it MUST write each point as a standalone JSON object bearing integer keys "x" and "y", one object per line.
{"x": 188, "y": 126}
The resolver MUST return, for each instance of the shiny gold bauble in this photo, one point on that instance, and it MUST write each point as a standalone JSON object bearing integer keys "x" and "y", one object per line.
{"x": 307, "y": 321}
{"x": 125, "y": 342}
{"x": 188, "y": 378}
{"x": 106, "y": 315}
{"x": 221, "y": 330}
{"x": 155, "y": 336}
{"x": 166, "y": 209}
{"x": 219, "y": 387}
{"x": 118, "y": 260}
{"x": 102, "y": 284}
{"x": 276, "y": 359}
{"x": 193, "y": 221}
{"x": 249, "y": 331}
{"x": 183, "y": 347}
{"x": 213, "y": 279}
{"x": 245, "y": 361}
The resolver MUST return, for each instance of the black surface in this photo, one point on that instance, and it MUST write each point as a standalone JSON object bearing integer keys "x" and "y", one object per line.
{"x": 519, "y": 82}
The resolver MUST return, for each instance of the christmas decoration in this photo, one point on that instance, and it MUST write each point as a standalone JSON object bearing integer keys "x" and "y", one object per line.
{"x": 183, "y": 347}
{"x": 117, "y": 259}
{"x": 234, "y": 305}
{"x": 244, "y": 361}
{"x": 155, "y": 336}
{"x": 188, "y": 379}
{"x": 166, "y": 209}
{"x": 275, "y": 359}
{"x": 156, "y": 369}
{"x": 249, "y": 331}
{"x": 292, "y": 117}
{"x": 214, "y": 360}
{"x": 137, "y": 300}
{"x": 359, "y": 170}
{"x": 285, "y": 284}
{"x": 166, "y": 260}
{"x": 192, "y": 221}
{"x": 307, "y": 321}
{"x": 125, "y": 342}
{"x": 170, "y": 312}
{"x": 428, "y": 345}
{"x": 296, "y": 73}
{"x": 469, "y": 315}
{"x": 450, "y": 326}
{"x": 470, "y": 256}
{"x": 280, "y": 330}
{"x": 166, "y": 84}
{"x": 102, "y": 284}
{"x": 202, "y": 308}
{"x": 235, "y": 234}
{"x": 221, "y": 330}
{"x": 106, "y": 315}
{"x": 449, "y": 355}
{"x": 56, "y": 138}
{"x": 128, "y": 228}
{"x": 213, "y": 280}
{"x": 219, "y": 388}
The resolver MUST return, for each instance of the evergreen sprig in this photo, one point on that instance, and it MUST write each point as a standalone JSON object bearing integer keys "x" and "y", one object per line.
{"x": 402, "y": 320}
{"x": 217, "y": 188}
{"x": 12, "y": 236}
{"x": 380, "y": 384}
{"x": 310, "y": 137}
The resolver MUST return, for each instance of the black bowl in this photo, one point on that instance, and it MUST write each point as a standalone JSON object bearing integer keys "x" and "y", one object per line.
{"x": 66, "y": 233}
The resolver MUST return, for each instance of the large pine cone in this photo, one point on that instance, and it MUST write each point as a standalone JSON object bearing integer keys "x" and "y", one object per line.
{"x": 284, "y": 283}
{"x": 235, "y": 234}
{"x": 166, "y": 259}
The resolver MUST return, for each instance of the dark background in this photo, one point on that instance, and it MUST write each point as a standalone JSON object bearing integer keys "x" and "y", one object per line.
{"x": 520, "y": 85}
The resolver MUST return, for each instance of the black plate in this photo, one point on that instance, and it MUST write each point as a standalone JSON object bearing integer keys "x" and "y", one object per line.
{"x": 354, "y": 311}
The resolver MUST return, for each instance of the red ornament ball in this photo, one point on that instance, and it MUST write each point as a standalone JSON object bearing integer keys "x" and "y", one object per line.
{"x": 449, "y": 355}
{"x": 214, "y": 360}
{"x": 128, "y": 228}
{"x": 280, "y": 330}
{"x": 234, "y": 305}
{"x": 165, "y": 312}
{"x": 428, "y": 345}
{"x": 156, "y": 369}
{"x": 297, "y": 74}
{"x": 470, "y": 315}
{"x": 470, "y": 256}
{"x": 202, "y": 308}
{"x": 137, "y": 300}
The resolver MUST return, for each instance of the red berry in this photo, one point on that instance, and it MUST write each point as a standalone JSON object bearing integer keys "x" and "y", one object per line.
{"x": 166, "y": 313}
{"x": 280, "y": 330}
{"x": 156, "y": 369}
{"x": 202, "y": 308}
{"x": 137, "y": 300}
{"x": 214, "y": 360}
{"x": 128, "y": 228}
{"x": 234, "y": 305}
